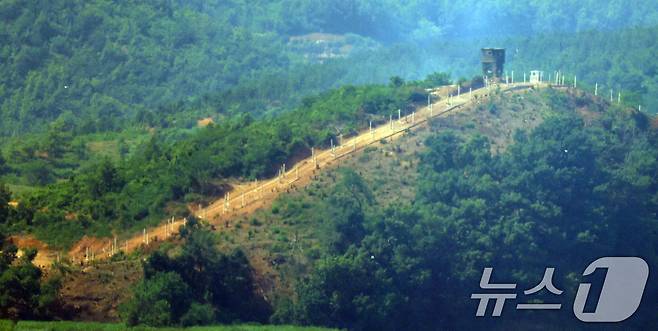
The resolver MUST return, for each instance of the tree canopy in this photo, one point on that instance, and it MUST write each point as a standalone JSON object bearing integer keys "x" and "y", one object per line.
{"x": 199, "y": 285}
{"x": 561, "y": 196}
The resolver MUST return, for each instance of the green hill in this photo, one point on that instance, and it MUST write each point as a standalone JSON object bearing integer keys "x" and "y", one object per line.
{"x": 398, "y": 236}
{"x": 102, "y": 66}
{"x": 115, "y": 115}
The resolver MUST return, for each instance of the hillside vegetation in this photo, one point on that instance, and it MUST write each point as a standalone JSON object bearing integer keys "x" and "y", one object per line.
{"x": 78, "y": 87}
{"x": 106, "y": 195}
{"x": 583, "y": 178}
{"x": 561, "y": 195}
{"x": 100, "y": 65}
{"x": 398, "y": 237}
{"x": 117, "y": 115}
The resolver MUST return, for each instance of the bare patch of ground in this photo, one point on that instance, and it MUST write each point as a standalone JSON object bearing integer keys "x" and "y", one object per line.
{"x": 94, "y": 293}
{"x": 45, "y": 255}
{"x": 205, "y": 122}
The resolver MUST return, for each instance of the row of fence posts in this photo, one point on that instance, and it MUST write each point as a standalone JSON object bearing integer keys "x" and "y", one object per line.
{"x": 113, "y": 247}
{"x": 557, "y": 78}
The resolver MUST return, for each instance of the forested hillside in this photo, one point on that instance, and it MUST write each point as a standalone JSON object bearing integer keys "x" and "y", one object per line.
{"x": 105, "y": 195}
{"x": 94, "y": 95}
{"x": 105, "y": 61}
{"x": 425, "y": 19}
{"x": 84, "y": 80}
{"x": 117, "y": 114}
{"x": 397, "y": 238}
{"x": 99, "y": 99}
{"x": 580, "y": 186}
{"x": 100, "y": 65}
{"x": 624, "y": 61}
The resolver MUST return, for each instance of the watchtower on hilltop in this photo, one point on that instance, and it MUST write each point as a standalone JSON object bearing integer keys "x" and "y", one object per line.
{"x": 493, "y": 62}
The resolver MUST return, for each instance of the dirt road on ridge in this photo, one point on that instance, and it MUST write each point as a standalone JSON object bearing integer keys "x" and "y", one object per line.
{"x": 245, "y": 198}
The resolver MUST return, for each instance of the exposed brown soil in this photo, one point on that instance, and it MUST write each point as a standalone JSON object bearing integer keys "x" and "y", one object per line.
{"x": 94, "y": 290}
{"x": 44, "y": 257}
{"x": 247, "y": 197}
{"x": 205, "y": 122}
{"x": 93, "y": 293}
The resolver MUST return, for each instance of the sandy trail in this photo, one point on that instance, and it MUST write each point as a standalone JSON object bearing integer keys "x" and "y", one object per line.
{"x": 245, "y": 198}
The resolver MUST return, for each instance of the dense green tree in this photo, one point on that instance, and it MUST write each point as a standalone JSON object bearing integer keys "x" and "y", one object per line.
{"x": 396, "y": 81}
{"x": 198, "y": 314}
{"x": 353, "y": 195}
{"x": 37, "y": 172}
{"x": 562, "y": 196}
{"x": 347, "y": 292}
{"x": 159, "y": 301}
{"x": 208, "y": 286}
{"x": 5, "y": 197}
{"x": 135, "y": 190}
{"x": 3, "y": 165}
{"x": 23, "y": 292}
{"x": 105, "y": 179}
{"x": 436, "y": 79}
